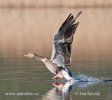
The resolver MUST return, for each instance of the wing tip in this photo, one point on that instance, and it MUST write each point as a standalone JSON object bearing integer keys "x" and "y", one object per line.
{"x": 78, "y": 14}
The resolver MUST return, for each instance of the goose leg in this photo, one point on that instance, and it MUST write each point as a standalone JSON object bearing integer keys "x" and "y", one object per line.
{"x": 55, "y": 77}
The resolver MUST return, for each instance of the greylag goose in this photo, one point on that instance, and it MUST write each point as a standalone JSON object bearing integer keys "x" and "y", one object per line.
{"x": 61, "y": 53}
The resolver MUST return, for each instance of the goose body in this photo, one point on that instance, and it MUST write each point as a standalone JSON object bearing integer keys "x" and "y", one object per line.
{"x": 61, "y": 52}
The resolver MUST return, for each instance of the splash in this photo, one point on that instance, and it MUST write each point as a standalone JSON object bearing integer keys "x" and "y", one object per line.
{"x": 85, "y": 78}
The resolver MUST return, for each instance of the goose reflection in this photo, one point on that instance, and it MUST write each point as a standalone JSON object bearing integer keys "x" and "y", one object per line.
{"x": 62, "y": 91}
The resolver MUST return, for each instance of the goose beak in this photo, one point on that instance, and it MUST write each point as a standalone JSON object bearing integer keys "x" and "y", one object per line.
{"x": 30, "y": 55}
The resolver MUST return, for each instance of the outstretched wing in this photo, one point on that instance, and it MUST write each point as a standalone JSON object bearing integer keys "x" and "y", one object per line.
{"x": 61, "y": 54}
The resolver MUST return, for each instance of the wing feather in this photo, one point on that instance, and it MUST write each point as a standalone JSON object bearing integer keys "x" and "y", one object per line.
{"x": 61, "y": 54}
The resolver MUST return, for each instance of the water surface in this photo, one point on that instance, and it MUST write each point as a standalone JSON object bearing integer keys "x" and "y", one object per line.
{"x": 28, "y": 79}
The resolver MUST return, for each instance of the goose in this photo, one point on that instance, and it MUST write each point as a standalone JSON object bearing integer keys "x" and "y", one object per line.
{"x": 60, "y": 60}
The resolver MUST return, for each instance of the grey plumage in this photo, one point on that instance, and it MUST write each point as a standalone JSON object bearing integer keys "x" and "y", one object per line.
{"x": 62, "y": 41}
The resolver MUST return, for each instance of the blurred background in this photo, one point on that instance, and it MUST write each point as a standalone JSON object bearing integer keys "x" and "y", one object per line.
{"x": 30, "y": 25}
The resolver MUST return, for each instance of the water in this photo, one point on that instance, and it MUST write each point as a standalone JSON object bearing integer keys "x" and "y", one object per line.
{"x": 26, "y": 79}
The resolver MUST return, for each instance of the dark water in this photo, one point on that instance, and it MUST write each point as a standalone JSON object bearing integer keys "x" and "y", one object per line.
{"x": 27, "y": 79}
